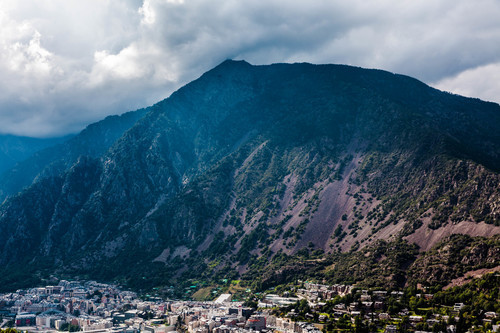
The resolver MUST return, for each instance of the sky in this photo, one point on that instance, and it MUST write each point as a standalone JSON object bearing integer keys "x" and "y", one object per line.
{"x": 67, "y": 63}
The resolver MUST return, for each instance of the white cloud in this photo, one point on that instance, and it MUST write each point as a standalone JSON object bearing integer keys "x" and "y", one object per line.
{"x": 66, "y": 63}
{"x": 148, "y": 14}
{"x": 30, "y": 58}
{"x": 126, "y": 65}
{"x": 481, "y": 82}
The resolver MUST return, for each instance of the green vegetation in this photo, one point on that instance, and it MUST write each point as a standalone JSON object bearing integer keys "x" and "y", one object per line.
{"x": 453, "y": 257}
{"x": 384, "y": 264}
{"x": 203, "y": 294}
{"x": 380, "y": 264}
{"x": 9, "y": 330}
{"x": 479, "y": 295}
{"x": 431, "y": 312}
{"x": 67, "y": 327}
{"x": 455, "y": 191}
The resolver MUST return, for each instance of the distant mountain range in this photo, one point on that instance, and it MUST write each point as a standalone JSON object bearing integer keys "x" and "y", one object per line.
{"x": 60, "y": 154}
{"x": 14, "y": 149}
{"x": 248, "y": 165}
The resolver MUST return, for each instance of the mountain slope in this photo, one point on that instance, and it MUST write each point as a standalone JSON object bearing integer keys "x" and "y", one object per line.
{"x": 248, "y": 162}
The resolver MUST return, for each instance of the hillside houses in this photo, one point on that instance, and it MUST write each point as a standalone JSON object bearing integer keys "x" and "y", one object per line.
{"x": 314, "y": 291}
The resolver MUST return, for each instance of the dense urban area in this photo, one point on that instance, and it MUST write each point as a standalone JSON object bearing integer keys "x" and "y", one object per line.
{"x": 299, "y": 307}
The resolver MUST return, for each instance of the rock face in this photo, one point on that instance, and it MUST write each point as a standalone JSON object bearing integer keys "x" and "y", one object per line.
{"x": 250, "y": 161}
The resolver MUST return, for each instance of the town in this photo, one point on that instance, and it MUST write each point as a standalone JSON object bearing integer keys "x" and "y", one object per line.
{"x": 305, "y": 307}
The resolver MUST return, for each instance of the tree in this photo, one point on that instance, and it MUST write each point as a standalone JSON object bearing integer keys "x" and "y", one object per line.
{"x": 178, "y": 324}
{"x": 8, "y": 330}
{"x": 403, "y": 324}
{"x": 69, "y": 327}
{"x": 461, "y": 324}
{"x": 360, "y": 327}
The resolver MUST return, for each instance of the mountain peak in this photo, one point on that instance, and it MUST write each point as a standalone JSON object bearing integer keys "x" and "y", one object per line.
{"x": 232, "y": 62}
{"x": 229, "y": 64}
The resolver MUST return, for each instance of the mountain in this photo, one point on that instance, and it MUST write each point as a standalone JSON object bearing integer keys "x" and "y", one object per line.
{"x": 93, "y": 141}
{"x": 14, "y": 149}
{"x": 248, "y": 165}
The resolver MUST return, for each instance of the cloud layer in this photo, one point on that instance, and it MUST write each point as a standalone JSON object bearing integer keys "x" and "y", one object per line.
{"x": 66, "y": 63}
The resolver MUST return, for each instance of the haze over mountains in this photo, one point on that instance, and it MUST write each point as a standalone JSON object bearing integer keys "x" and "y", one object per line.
{"x": 14, "y": 149}
{"x": 248, "y": 163}
{"x": 92, "y": 141}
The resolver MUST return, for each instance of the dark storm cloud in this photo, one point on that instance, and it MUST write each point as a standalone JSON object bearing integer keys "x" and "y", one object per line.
{"x": 67, "y": 63}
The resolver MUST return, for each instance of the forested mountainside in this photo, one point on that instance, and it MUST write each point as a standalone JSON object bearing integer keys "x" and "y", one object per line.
{"x": 250, "y": 164}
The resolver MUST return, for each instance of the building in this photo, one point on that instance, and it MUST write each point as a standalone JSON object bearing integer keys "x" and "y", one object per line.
{"x": 224, "y": 298}
{"x": 256, "y": 322}
{"x": 26, "y": 319}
